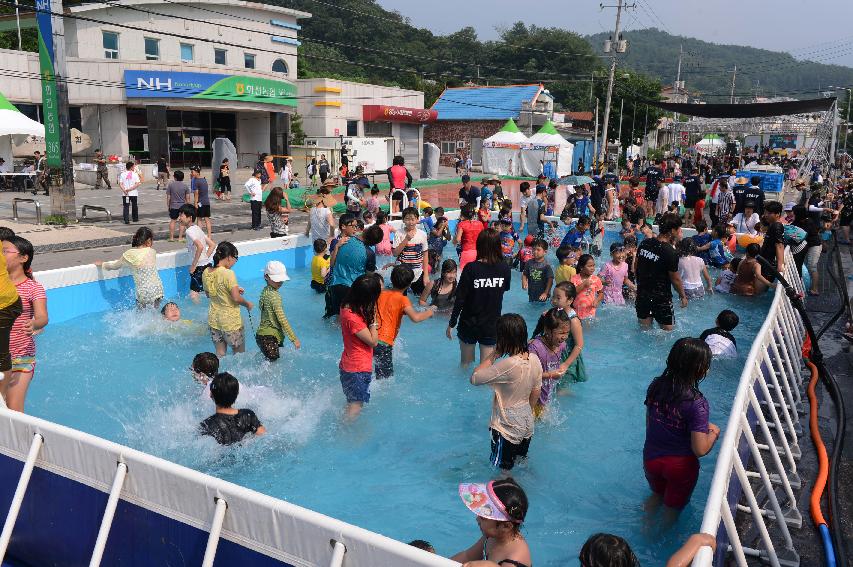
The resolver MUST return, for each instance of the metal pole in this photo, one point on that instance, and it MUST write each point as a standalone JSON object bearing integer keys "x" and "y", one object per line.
{"x": 215, "y": 530}
{"x": 610, "y": 85}
{"x": 646, "y": 132}
{"x": 633, "y": 119}
{"x": 20, "y": 492}
{"x": 18, "y": 23}
{"x": 847, "y": 121}
{"x": 109, "y": 514}
{"x": 678, "y": 76}
{"x": 734, "y": 78}
{"x": 619, "y": 135}
{"x": 595, "y": 140}
{"x": 591, "y": 84}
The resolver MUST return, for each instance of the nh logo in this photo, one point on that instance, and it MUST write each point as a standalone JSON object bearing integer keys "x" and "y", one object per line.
{"x": 153, "y": 84}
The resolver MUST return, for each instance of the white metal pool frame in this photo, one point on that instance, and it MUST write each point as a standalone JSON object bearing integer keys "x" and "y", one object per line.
{"x": 768, "y": 400}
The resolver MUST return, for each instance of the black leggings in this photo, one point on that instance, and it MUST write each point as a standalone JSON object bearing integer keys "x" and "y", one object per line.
{"x": 269, "y": 346}
{"x": 225, "y": 184}
{"x": 7, "y": 318}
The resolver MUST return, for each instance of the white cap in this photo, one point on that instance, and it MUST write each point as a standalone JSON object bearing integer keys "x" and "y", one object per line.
{"x": 276, "y": 271}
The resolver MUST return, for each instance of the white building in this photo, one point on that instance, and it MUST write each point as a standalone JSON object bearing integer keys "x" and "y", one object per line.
{"x": 150, "y": 78}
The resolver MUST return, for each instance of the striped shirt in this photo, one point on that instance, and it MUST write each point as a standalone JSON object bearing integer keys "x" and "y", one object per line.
{"x": 725, "y": 206}
{"x": 20, "y": 343}
{"x": 413, "y": 253}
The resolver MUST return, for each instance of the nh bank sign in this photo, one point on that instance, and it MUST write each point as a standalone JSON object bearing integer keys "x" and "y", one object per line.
{"x": 209, "y": 86}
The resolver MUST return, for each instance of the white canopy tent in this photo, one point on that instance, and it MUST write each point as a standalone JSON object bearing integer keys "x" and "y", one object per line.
{"x": 547, "y": 146}
{"x": 502, "y": 151}
{"x": 711, "y": 144}
{"x": 15, "y": 128}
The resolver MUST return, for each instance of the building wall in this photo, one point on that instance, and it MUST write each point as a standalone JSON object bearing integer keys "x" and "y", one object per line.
{"x": 253, "y": 137}
{"x": 459, "y": 131}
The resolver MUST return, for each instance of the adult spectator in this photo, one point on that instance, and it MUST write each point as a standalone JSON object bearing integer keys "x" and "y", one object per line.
{"x": 657, "y": 273}
{"x": 177, "y": 194}
{"x": 278, "y": 215}
{"x": 773, "y": 247}
{"x": 692, "y": 190}
{"x": 653, "y": 174}
{"x": 479, "y": 298}
{"x": 321, "y": 223}
{"x": 351, "y": 258}
{"x": 162, "y": 172}
{"x": 468, "y": 193}
{"x": 42, "y": 173}
{"x": 261, "y": 166}
{"x": 754, "y": 194}
{"x": 101, "y": 171}
{"x": 129, "y": 181}
{"x": 201, "y": 198}
{"x": 739, "y": 193}
{"x": 399, "y": 180}
{"x": 536, "y": 213}
{"x": 323, "y": 168}
{"x": 747, "y": 221}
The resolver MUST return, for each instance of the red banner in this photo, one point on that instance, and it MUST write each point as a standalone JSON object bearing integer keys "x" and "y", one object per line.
{"x": 382, "y": 113}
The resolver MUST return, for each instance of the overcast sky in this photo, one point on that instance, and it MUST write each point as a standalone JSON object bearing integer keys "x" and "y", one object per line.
{"x": 827, "y": 35}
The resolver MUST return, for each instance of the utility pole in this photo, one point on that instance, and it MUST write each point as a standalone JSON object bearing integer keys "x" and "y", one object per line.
{"x": 619, "y": 134}
{"x": 646, "y": 132}
{"x": 618, "y": 41}
{"x": 678, "y": 76}
{"x": 847, "y": 121}
{"x": 595, "y": 140}
{"x": 591, "y": 84}
{"x": 633, "y": 120}
{"x": 734, "y": 78}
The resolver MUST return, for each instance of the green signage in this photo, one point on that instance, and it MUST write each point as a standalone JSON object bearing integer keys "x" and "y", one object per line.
{"x": 49, "y": 98}
{"x": 209, "y": 86}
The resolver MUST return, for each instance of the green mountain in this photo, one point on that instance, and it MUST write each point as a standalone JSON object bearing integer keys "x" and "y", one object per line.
{"x": 707, "y": 67}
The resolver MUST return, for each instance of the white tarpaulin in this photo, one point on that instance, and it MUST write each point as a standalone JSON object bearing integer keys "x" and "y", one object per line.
{"x": 547, "y": 151}
{"x": 501, "y": 152}
{"x": 15, "y": 127}
{"x": 711, "y": 144}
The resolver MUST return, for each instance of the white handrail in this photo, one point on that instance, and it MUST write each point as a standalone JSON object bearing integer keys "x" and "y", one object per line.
{"x": 773, "y": 354}
{"x": 338, "y": 552}
{"x": 215, "y": 530}
{"x": 20, "y": 491}
{"x": 109, "y": 514}
{"x": 404, "y": 202}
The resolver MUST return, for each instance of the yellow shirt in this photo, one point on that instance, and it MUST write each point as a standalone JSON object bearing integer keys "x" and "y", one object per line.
{"x": 223, "y": 313}
{"x": 317, "y": 264}
{"x": 564, "y": 273}
{"x": 8, "y": 291}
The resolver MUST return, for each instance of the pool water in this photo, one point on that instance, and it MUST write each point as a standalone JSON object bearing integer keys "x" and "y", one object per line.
{"x": 124, "y": 376}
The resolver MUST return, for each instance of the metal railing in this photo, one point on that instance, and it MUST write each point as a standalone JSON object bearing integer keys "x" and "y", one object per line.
{"x": 404, "y": 203}
{"x": 17, "y": 200}
{"x": 96, "y": 208}
{"x": 758, "y": 476}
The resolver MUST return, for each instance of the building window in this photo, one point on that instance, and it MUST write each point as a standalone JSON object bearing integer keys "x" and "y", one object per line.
{"x": 377, "y": 129}
{"x": 186, "y": 53}
{"x": 152, "y": 49}
{"x": 249, "y": 60}
{"x": 219, "y": 56}
{"x": 110, "y": 45}
{"x": 448, "y": 147}
{"x": 279, "y": 66}
{"x": 352, "y": 127}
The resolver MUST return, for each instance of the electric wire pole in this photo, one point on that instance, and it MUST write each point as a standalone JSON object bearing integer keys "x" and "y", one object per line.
{"x": 618, "y": 7}
{"x": 734, "y": 78}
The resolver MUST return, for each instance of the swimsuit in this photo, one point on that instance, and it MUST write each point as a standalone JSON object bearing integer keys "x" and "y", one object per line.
{"x": 503, "y": 561}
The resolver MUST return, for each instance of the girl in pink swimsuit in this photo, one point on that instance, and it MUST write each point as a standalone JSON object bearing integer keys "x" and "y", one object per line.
{"x": 589, "y": 288}
{"x": 615, "y": 275}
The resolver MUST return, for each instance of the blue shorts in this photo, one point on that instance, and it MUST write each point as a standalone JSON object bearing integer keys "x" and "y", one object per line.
{"x": 356, "y": 386}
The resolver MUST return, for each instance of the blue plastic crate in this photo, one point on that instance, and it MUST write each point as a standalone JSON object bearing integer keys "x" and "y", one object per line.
{"x": 770, "y": 182}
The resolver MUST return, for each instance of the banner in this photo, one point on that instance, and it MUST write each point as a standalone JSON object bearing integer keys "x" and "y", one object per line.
{"x": 383, "y": 113}
{"x": 209, "y": 86}
{"x": 49, "y": 99}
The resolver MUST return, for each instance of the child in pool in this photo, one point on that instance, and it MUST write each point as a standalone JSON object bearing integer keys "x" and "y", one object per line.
{"x": 229, "y": 425}
{"x": 525, "y": 253}
{"x": 718, "y": 252}
{"x": 549, "y": 348}
{"x": 500, "y": 506}
{"x": 693, "y": 270}
{"x": 614, "y": 275}
{"x": 727, "y": 276}
{"x": 384, "y": 248}
{"x": 226, "y": 297}
{"x": 572, "y": 359}
{"x": 360, "y": 331}
{"x": 719, "y": 338}
{"x": 439, "y": 236}
{"x": 702, "y": 239}
{"x": 538, "y": 277}
{"x": 596, "y": 231}
{"x": 443, "y": 292}
{"x": 509, "y": 239}
{"x": 567, "y": 257}
{"x": 320, "y": 266}
{"x": 142, "y": 260}
{"x": 274, "y": 325}
{"x": 630, "y": 244}
{"x": 204, "y": 367}
{"x": 627, "y": 229}
{"x": 590, "y": 290}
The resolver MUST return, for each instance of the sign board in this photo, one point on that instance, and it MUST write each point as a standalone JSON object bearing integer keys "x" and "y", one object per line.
{"x": 198, "y": 142}
{"x": 208, "y": 86}
{"x": 685, "y": 139}
{"x": 50, "y": 100}
{"x": 383, "y": 113}
{"x": 337, "y": 131}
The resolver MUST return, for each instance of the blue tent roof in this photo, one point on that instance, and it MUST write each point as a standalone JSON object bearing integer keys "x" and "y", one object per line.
{"x": 483, "y": 103}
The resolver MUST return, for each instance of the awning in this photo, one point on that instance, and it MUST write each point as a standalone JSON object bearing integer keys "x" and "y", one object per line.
{"x": 752, "y": 110}
{"x": 383, "y": 113}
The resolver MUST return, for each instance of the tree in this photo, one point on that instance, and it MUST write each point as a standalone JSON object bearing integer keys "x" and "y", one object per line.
{"x": 297, "y": 134}
{"x": 636, "y": 90}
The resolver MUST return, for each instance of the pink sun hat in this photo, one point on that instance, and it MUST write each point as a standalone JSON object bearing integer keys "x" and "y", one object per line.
{"x": 481, "y": 499}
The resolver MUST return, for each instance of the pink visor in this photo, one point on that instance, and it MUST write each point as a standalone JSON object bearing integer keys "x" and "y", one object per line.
{"x": 481, "y": 499}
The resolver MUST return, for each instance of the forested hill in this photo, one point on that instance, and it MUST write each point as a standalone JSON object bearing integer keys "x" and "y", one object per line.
{"x": 707, "y": 67}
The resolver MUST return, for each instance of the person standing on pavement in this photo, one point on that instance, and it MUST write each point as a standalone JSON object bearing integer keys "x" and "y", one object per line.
{"x": 177, "y": 195}
{"x": 101, "y": 172}
{"x": 262, "y": 167}
{"x": 201, "y": 199}
{"x": 256, "y": 192}
{"x": 224, "y": 181}
{"x": 162, "y": 172}
{"x": 323, "y": 168}
{"x": 41, "y": 173}
{"x": 130, "y": 181}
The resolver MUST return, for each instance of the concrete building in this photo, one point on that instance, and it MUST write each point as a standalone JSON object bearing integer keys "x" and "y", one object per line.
{"x": 147, "y": 78}
{"x": 468, "y": 115}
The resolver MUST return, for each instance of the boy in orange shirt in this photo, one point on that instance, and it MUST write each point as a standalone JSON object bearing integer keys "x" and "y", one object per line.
{"x": 392, "y": 305}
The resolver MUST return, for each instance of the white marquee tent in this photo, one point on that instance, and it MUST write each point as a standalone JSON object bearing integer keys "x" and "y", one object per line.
{"x": 547, "y": 146}
{"x": 15, "y": 128}
{"x": 502, "y": 151}
{"x": 711, "y": 144}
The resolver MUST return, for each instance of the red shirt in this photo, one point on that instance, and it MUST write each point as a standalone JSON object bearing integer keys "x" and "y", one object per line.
{"x": 357, "y": 355}
{"x": 471, "y": 229}
{"x": 398, "y": 176}
{"x": 699, "y": 209}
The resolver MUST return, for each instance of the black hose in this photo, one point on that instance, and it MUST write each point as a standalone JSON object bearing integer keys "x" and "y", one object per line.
{"x": 832, "y": 387}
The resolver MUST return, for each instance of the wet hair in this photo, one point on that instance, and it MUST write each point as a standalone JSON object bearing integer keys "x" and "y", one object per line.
{"x": 345, "y": 219}
{"x": 583, "y": 219}
{"x": 466, "y": 212}
{"x": 363, "y": 295}
{"x": 568, "y": 288}
{"x": 686, "y": 365}
{"x": 753, "y": 250}
{"x": 381, "y": 217}
{"x": 448, "y": 266}
{"x": 372, "y": 235}
{"x": 733, "y": 265}
{"x": 552, "y": 319}
{"x": 719, "y": 231}
{"x": 668, "y": 223}
{"x": 489, "y": 247}
{"x": 687, "y": 247}
{"x": 320, "y": 245}
{"x": 511, "y": 335}
{"x": 630, "y": 240}
{"x": 224, "y": 250}
{"x": 422, "y": 544}
{"x": 607, "y": 550}
{"x": 513, "y": 498}
{"x": 6, "y": 233}
{"x": 24, "y": 248}
{"x": 773, "y": 207}
{"x": 727, "y": 320}
{"x": 439, "y": 211}
{"x": 584, "y": 258}
{"x": 187, "y": 210}
{"x": 166, "y": 306}
{"x": 563, "y": 252}
{"x": 273, "y": 201}
{"x": 178, "y": 175}
{"x": 398, "y": 160}
{"x": 402, "y": 277}
{"x": 143, "y": 234}
{"x": 524, "y": 186}
{"x": 224, "y": 390}
{"x": 541, "y": 243}
{"x": 427, "y": 211}
{"x": 700, "y": 226}
{"x": 410, "y": 211}
{"x": 205, "y": 363}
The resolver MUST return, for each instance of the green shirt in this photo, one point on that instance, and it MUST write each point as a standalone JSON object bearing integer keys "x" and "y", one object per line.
{"x": 273, "y": 322}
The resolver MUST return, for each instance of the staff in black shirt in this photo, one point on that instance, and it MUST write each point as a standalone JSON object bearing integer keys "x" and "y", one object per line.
{"x": 657, "y": 270}
{"x": 755, "y": 194}
{"x": 773, "y": 247}
{"x": 653, "y": 175}
{"x": 739, "y": 192}
{"x": 479, "y": 298}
